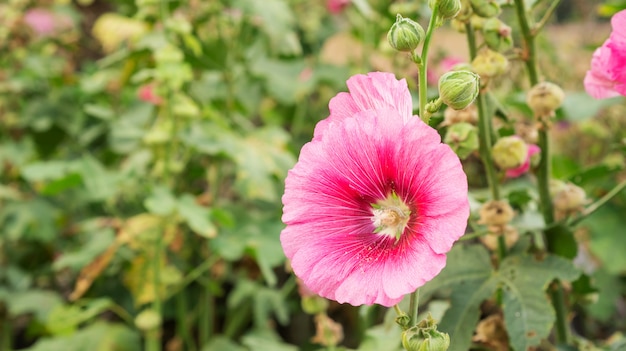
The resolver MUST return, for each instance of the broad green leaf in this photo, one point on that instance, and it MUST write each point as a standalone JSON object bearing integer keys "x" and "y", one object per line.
{"x": 469, "y": 274}
{"x": 606, "y": 227}
{"x": 99, "y": 336}
{"x": 560, "y": 241}
{"x": 38, "y": 302}
{"x": 65, "y": 319}
{"x": 100, "y": 183}
{"x": 266, "y": 340}
{"x": 161, "y": 202}
{"x": 528, "y": 314}
{"x": 45, "y": 170}
{"x": 222, "y": 343}
{"x": 579, "y": 106}
{"x": 196, "y": 216}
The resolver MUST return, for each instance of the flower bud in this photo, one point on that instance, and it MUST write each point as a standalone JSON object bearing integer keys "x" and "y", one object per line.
{"x": 327, "y": 331}
{"x": 466, "y": 11}
{"x": 569, "y": 197}
{"x": 425, "y": 337}
{"x": 446, "y": 9}
{"x": 544, "y": 98}
{"x": 458, "y": 89}
{"x": 509, "y": 152}
{"x": 313, "y": 304}
{"x": 405, "y": 34}
{"x": 489, "y": 63}
{"x": 485, "y": 8}
{"x": 497, "y": 35}
{"x": 148, "y": 320}
{"x": 462, "y": 138}
{"x": 495, "y": 213}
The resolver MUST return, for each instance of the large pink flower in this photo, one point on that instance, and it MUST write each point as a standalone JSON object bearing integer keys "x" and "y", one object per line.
{"x": 607, "y": 76}
{"x": 375, "y": 200}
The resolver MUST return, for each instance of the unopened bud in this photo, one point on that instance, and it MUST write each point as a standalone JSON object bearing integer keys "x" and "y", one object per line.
{"x": 405, "y": 34}
{"x": 466, "y": 11}
{"x": 497, "y": 35}
{"x": 569, "y": 197}
{"x": 327, "y": 331}
{"x": 313, "y": 304}
{"x": 425, "y": 337}
{"x": 489, "y": 63}
{"x": 544, "y": 98}
{"x": 485, "y": 8}
{"x": 462, "y": 139}
{"x": 510, "y": 233}
{"x": 458, "y": 89}
{"x": 509, "y": 152}
{"x": 148, "y": 320}
{"x": 495, "y": 213}
{"x": 446, "y": 9}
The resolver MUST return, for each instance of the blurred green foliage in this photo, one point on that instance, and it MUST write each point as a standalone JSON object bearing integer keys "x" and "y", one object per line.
{"x": 143, "y": 148}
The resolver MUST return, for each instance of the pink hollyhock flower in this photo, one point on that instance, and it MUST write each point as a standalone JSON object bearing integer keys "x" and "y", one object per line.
{"x": 45, "y": 22}
{"x": 146, "y": 93}
{"x": 607, "y": 76}
{"x": 375, "y": 201}
{"x": 519, "y": 171}
{"x": 336, "y": 6}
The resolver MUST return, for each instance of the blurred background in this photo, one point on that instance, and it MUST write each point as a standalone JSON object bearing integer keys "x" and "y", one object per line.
{"x": 144, "y": 146}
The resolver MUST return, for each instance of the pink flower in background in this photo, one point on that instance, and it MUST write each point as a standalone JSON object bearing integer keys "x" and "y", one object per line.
{"x": 519, "y": 171}
{"x": 45, "y": 22}
{"x": 445, "y": 65}
{"x": 336, "y": 6}
{"x": 375, "y": 201}
{"x": 146, "y": 93}
{"x": 607, "y": 76}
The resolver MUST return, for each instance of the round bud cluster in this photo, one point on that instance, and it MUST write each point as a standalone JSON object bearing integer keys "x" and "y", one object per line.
{"x": 405, "y": 34}
{"x": 425, "y": 337}
{"x": 488, "y": 64}
{"x": 568, "y": 198}
{"x": 544, "y": 98}
{"x": 485, "y": 8}
{"x": 446, "y": 9}
{"x": 458, "y": 89}
{"x": 497, "y": 35}
{"x": 509, "y": 152}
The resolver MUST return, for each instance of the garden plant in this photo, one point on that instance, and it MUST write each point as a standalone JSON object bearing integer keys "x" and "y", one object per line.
{"x": 283, "y": 175}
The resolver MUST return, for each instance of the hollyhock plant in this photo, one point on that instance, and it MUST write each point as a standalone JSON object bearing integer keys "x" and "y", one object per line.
{"x": 375, "y": 200}
{"x": 521, "y": 170}
{"x": 607, "y": 76}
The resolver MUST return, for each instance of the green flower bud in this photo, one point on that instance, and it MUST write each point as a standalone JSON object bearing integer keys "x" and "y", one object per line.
{"x": 458, "y": 89}
{"x": 462, "y": 139}
{"x": 405, "y": 34}
{"x": 466, "y": 11}
{"x": 313, "y": 304}
{"x": 544, "y": 98}
{"x": 569, "y": 197}
{"x": 148, "y": 320}
{"x": 485, "y": 8}
{"x": 425, "y": 337}
{"x": 497, "y": 35}
{"x": 488, "y": 64}
{"x": 446, "y": 9}
{"x": 509, "y": 152}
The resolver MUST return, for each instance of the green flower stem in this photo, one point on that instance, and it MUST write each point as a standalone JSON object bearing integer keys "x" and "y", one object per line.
{"x": 484, "y": 124}
{"x": 5, "y": 331}
{"x": 153, "y": 342}
{"x": 423, "y": 68}
{"x": 539, "y": 25}
{"x": 543, "y": 173}
{"x": 599, "y": 203}
{"x": 205, "y": 322}
{"x": 183, "y": 329}
{"x": 414, "y": 303}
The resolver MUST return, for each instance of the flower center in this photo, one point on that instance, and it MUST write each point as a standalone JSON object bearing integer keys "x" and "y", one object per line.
{"x": 390, "y": 216}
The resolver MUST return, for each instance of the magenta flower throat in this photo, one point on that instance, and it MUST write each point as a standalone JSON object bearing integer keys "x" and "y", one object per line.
{"x": 375, "y": 200}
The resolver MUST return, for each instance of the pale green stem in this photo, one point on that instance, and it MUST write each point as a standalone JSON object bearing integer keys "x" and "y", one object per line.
{"x": 423, "y": 68}
{"x": 414, "y": 306}
{"x": 539, "y": 25}
{"x": 599, "y": 203}
{"x": 543, "y": 173}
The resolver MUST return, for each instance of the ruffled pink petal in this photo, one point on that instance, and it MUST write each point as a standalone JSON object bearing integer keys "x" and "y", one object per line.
{"x": 618, "y": 23}
{"x": 327, "y": 208}
{"x": 598, "y": 86}
{"x": 374, "y": 91}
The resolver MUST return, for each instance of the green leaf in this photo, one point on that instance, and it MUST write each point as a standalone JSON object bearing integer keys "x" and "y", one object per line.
{"x": 579, "y": 106}
{"x": 65, "y": 319}
{"x": 560, "y": 241}
{"x": 161, "y": 202}
{"x": 196, "y": 216}
{"x": 96, "y": 242}
{"x": 528, "y": 314}
{"x": 266, "y": 340}
{"x": 606, "y": 227}
{"x": 38, "y": 302}
{"x": 99, "y": 336}
{"x": 469, "y": 274}
{"x": 222, "y": 343}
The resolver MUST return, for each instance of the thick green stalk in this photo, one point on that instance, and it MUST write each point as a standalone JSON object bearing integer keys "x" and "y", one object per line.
{"x": 484, "y": 125}
{"x": 596, "y": 205}
{"x": 182, "y": 325}
{"x": 423, "y": 68}
{"x": 543, "y": 173}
